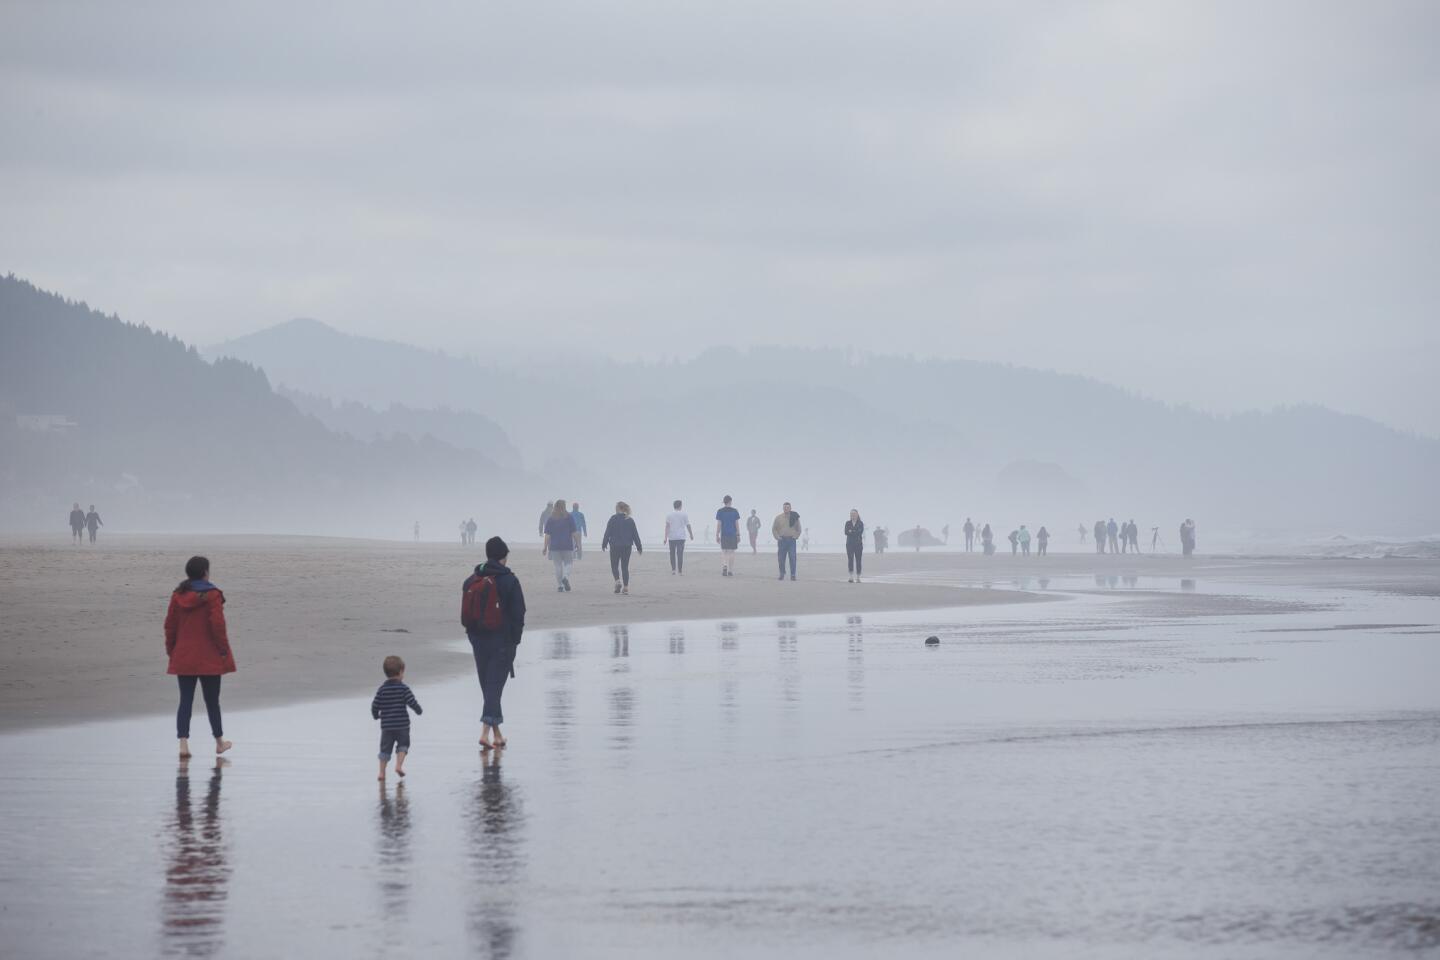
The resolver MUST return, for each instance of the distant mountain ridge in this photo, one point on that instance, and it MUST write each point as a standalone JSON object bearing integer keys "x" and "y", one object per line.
{"x": 912, "y": 440}
{"x": 162, "y": 439}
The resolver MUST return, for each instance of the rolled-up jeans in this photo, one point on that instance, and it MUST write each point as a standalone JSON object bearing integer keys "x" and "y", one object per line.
{"x": 494, "y": 653}
{"x": 562, "y": 560}
{"x": 787, "y": 548}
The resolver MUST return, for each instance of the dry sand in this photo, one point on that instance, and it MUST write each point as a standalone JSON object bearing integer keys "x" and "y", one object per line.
{"x": 312, "y": 618}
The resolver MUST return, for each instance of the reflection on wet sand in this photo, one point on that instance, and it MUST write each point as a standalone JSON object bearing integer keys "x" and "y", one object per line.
{"x": 677, "y": 640}
{"x": 197, "y": 874}
{"x": 497, "y": 858}
{"x": 393, "y": 821}
{"x": 729, "y": 682}
{"x": 789, "y": 664}
{"x": 619, "y": 643}
{"x": 856, "y": 669}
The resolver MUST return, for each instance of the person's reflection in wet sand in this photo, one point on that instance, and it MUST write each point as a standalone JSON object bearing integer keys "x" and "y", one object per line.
{"x": 789, "y": 664}
{"x": 197, "y": 874}
{"x": 677, "y": 640}
{"x": 856, "y": 673}
{"x": 619, "y": 643}
{"x": 393, "y": 819}
{"x": 497, "y": 858}
{"x": 559, "y": 698}
{"x": 729, "y": 668}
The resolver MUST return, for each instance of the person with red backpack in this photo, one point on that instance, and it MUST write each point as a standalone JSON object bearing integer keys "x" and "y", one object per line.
{"x": 492, "y": 610}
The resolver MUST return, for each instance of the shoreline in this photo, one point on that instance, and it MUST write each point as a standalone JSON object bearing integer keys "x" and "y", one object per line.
{"x": 311, "y": 618}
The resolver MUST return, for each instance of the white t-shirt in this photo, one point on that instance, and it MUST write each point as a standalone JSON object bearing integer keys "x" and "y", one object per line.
{"x": 676, "y": 525}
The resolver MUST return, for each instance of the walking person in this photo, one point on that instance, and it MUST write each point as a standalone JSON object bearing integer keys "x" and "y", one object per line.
{"x": 752, "y": 526}
{"x": 677, "y": 531}
{"x": 390, "y": 706}
{"x": 969, "y": 529}
{"x": 581, "y": 530}
{"x": 1042, "y": 538}
{"x": 1082, "y": 533}
{"x": 470, "y": 527}
{"x": 492, "y": 610}
{"x": 620, "y": 535}
{"x": 1024, "y": 540}
{"x": 561, "y": 539}
{"x": 199, "y": 649}
{"x": 1112, "y": 531}
{"x": 727, "y": 534}
{"x": 786, "y": 530}
{"x": 417, "y": 531}
{"x": 93, "y": 522}
{"x": 854, "y": 545}
{"x": 77, "y": 524}
{"x": 545, "y": 515}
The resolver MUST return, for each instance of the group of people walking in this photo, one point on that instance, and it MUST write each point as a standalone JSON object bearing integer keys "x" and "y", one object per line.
{"x": 492, "y": 612}
{"x": 81, "y": 521}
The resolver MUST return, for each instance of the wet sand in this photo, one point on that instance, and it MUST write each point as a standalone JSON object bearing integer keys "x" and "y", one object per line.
{"x": 312, "y": 618}
{"x": 1130, "y": 772}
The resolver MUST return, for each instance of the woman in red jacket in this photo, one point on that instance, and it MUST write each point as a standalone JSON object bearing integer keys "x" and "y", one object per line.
{"x": 199, "y": 648}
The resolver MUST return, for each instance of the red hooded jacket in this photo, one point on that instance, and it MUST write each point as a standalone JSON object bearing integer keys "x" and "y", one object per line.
{"x": 195, "y": 636}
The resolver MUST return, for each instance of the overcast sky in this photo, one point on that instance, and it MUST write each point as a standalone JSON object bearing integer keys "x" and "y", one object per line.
{"x": 1230, "y": 204}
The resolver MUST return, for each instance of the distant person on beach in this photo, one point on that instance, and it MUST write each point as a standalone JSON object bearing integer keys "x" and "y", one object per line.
{"x": 545, "y": 515}
{"x": 805, "y": 540}
{"x": 417, "y": 531}
{"x": 727, "y": 534}
{"x": 987, "y": 540}
{"x": 969, "y": 529}
{"x": 1082, "y": 533}
{"x": 677, "y": 531}
{"x": 1154, "y": 538}
{"x": 854, "y": 544}
{"x": 199, "y": 649}
{"x": 879, "y": 536}
{"x": 93, "y": 522}
{"x": 391, "y": 705}
{"x": 1112, "y": 531}
{"x": 753, "y": 525}
{"x": 464, "y": 536}
{"x": 470, "y": 528}
{"x": 1024, "y": 540}
{"x": 1014, "y": 539}
{"x": 919, "y": 531}
{"x": 945, "y": 534}
{"x": 561, "y": 539}
{"x": 492, "y": 610}
{"x": 786, "y": 530}
{"x": 1042, "y": 539}
{"x": 1133, "y": 534}
{"x": 1187, "y": 537}
{"x": 77, "y": 523}
{"x": 1099, "y": 536}
{"x": 620, "y": 535}
{"x": 581, "y": 531}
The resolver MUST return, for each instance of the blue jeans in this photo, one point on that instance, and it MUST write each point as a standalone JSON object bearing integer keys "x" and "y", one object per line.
{"x": 493, "y": 655}
{"x": 787, "y": 548}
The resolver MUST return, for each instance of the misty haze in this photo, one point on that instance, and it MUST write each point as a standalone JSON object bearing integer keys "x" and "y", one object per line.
{"x": 916, "y": 480}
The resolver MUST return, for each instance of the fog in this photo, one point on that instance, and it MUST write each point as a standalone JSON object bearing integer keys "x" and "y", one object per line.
{"x": 1022, "y": 264}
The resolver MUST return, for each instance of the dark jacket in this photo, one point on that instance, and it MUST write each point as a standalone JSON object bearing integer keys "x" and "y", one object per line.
{"x": 855, "y": 533}
{"x": 622, "y": 532}
{"x": 512, "y": 598}
{"x": 195, "y": 634}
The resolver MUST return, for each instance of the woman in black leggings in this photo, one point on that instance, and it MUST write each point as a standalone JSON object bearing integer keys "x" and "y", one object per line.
{"x": 620, "y": 536}
{"x": 854, "y": 544}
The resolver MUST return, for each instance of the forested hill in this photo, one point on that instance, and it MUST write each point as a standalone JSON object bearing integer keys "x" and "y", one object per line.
{"x": 912, "y": 440}
{"x": 96, "y": 409}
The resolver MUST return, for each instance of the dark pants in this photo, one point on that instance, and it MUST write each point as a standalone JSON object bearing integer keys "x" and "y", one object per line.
{"x": 397, "y": 740}
{"x": 853, "y": 551}
{"x": 620, "y": 564}
{"x": 210, "y": 688}
{"x": 787, "y": 549}
{"x": 1042, "y": 547}
{"x": 493, "y": 655}
{"x": 677, "y": 556}
{"x": 969, "y": 542}
{"x": 92, "y": 534}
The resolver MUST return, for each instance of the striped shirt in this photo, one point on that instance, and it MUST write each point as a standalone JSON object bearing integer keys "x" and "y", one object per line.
{"x": 390, "y": 702}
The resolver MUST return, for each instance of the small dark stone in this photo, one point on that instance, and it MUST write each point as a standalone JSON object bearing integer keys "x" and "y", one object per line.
{"x": 932, "y": 641}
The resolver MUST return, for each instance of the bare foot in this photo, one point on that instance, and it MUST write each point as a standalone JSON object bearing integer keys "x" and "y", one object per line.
{"x": 500, "y": 741}
{"x": 184, "y": 749}
{"x": 221, "y": 746}
{"x": 399, "y": 773}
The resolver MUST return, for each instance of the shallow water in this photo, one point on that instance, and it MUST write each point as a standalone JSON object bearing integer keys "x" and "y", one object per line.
{"x": 1116, "y": 774}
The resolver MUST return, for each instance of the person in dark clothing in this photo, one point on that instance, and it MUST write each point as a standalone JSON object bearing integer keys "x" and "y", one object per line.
{"x": 969, "y": 529}
{"x": 854, "y": 544}
{"x": 494, "y": 649}
{"x": 1099, "y": 536}
{"x": 1042, "y": 537}
{"x": 620, "y": 535}
{"x": 545, "y": 515}
{"x": 93, "y": 522}
{"x": 389, "y": 706}
{"x": 1014, "y": 542}
{"x": 581, "y": 529}
{"x": 77, "y": 523}
{"x": 1112, "y": 529}
{"x": 987, "y": 540}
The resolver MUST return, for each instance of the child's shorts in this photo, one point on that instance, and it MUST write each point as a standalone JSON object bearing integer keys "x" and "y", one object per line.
{"x": 397, "y": 740}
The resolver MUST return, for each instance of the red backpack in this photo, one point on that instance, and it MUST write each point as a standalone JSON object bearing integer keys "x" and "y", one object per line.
{"x": 480, "y": 605}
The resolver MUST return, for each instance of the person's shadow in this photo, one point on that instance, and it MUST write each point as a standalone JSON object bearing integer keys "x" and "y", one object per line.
{"x": 197, "y": 873}
{"x": 497, "y": 858}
